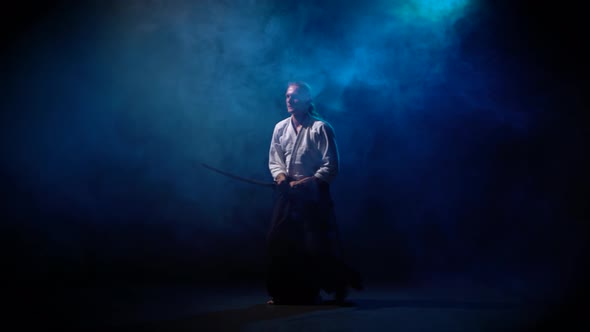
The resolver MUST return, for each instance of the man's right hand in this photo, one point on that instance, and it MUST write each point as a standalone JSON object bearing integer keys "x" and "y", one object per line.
{"x": 282, "y": 183}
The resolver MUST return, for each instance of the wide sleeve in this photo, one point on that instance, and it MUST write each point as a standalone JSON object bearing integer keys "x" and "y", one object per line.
{"x": 276, "y": 156}
{"x": 328, "y": 149}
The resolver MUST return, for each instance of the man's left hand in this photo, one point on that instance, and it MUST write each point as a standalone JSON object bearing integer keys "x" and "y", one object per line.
{"x": 305, "y": 182}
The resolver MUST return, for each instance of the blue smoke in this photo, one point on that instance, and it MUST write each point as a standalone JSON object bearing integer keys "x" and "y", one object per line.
{"x": 431, "y": 123}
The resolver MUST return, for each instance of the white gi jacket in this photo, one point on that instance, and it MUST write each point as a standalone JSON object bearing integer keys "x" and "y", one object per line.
{"x": 312, "y": 152}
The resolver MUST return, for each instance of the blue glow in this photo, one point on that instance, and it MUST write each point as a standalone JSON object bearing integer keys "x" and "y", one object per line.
{"x": 433, "y": 9}
{"x": 440, "y": 131}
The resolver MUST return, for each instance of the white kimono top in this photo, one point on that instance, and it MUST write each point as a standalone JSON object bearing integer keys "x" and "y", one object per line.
{"x": 312, "y": 152}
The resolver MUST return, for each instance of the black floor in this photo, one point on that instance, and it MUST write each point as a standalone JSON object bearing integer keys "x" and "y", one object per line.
{"x": 437, "y": 306}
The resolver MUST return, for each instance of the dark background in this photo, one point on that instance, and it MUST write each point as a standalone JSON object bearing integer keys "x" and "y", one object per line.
{"x": 460, "y": 128}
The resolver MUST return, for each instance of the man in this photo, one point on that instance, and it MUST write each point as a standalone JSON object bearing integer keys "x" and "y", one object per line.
{"x": 303, "y": 243}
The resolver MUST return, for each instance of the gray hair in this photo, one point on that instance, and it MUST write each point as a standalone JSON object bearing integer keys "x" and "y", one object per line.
{"x": 306, "y": 88}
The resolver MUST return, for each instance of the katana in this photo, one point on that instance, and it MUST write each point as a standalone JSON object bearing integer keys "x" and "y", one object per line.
{"x": 237, "y": 177}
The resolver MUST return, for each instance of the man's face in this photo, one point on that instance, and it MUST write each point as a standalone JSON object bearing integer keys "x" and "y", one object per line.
{"x": 297, "y": 100}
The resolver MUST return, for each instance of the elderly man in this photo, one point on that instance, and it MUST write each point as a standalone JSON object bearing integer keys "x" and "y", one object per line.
{"x": 303, "y": 244}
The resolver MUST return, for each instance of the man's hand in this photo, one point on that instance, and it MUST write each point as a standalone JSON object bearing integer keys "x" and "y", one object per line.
{"x": 282, "y": 182}
{"x": 306, "y": 188}
{"x": 305, "y": 182}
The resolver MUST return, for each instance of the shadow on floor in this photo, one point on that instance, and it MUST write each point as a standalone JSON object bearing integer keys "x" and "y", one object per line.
{"x": 229, "y": 320}
{"x": 235, "y": 319}
{"x": 372, "y": 304}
